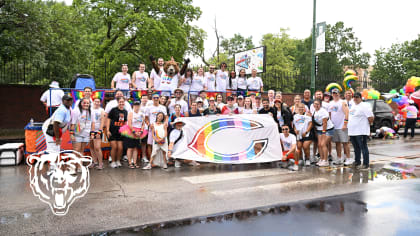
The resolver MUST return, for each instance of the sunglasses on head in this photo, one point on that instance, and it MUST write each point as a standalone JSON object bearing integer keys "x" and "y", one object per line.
{"x": 123, "y": 64}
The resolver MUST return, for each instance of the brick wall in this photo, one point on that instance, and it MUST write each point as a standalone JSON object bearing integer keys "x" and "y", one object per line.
{"x": 20, "y": 104}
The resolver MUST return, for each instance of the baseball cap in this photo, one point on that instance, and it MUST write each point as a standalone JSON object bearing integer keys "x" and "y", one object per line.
{"x": 277, "y": 100}
{"x": 327, "y": 93}
{"x": 240, "y": 97}
{"x": 199, "y": 99}
{"x": 230, "y": 98}
{"x": 335, "y": 90}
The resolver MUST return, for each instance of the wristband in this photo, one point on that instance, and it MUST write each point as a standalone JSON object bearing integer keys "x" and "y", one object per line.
{"x": 324, "y": 131}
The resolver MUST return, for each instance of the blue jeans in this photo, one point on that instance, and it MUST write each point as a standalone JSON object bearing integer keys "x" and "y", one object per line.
{"x": 360, "y": 146}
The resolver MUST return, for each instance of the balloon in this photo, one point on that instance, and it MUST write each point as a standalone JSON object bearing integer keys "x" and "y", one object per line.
{"x": 365, "y": 93}
{"x": 332, "y": 86}
{"x": 393, "y": 91}
{"x": 402, "y": 91}
{"x": 349, "y": 72}
{"x": 409, "y": 89}
{"x": 348, "y": 80}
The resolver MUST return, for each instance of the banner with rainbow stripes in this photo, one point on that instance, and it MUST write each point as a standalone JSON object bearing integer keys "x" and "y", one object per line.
{"x": 238, "y": 139}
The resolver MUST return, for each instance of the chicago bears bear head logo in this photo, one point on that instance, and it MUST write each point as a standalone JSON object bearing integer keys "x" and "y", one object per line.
{"x": 58, "y": 179}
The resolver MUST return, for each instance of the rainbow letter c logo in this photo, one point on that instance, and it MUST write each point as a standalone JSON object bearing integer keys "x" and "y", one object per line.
{"x": 199, "y": 144}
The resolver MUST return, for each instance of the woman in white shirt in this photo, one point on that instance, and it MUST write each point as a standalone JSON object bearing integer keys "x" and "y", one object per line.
{"x": 185, "y": 82}
{"x": 219, "y": 101}
{"x": 302, "y": 125}
{"x": 242, "y": 82}
{"x": 81, "y": 126}
{"x": 248, "y": 107}
{"x": 233, "y": 82}
{"x": 98, "y": 116}
{"x": 325, "y": 131}
{"x": 197, "y": 84}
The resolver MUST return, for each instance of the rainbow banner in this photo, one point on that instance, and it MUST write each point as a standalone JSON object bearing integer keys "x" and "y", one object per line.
{"x": 212, "y": 94}
{"x": 249, "y": 93}
{"x": 137, "y": 94}
{"x": 76, "y": 94}
{"x": 98, "y": 94}
{"x": 237, "y": 139}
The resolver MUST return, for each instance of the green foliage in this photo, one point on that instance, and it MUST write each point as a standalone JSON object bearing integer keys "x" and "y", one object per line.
{"x": 412, "y": 62}
{"x": 235, "y": 44}
{"x": 280, "y": 59}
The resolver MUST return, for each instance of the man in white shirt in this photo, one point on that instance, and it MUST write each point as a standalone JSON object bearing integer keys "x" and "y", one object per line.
{"x": 221, "y": 79}
{"x": 52, "y": 98}
{"x": 210, "y": 78}
{"x": 178, "y": 100}
{"x": 255, "y": 83}
{"x": 122, "y": 80}
{"x": 114, "y": 103}
{"x": 339, "y": 113}
{"x": 288, "y": 143}
{"x": 360, "y": 118}
{"x": 155, "y": 75}
{"x": 140, "y": 79}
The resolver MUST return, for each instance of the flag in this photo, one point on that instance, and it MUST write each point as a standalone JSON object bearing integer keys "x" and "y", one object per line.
{"x": 98, "y": 94}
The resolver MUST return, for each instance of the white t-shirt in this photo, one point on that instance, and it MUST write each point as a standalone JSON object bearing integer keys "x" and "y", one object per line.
{"x": 234, "y": 84}
{"x": 319, "y": 116}
{"x": 358, "y": 119}
{"x": 143, "y": 110}
{"x": 113, "y": 103}
{"x": 184, "y": 106}
{"x": 349, "y": 103}
{"x": 242, "y": 83}
{"x": 185, "y": 86}
{"x": 248, "y": 111}
{"x": 122, "y": 81}
{"x": 138, "y": 119}
{"x": 210, "y": 81}
{"x": 141, "y": 80}
{"x": 324, "y": 105}
{"x": 197, "y": 84}
{"x": 97, "y": 117}
{"x": 280, "y": 118}
{"x": 221, "y": 80}
{"x": 254, "y": 83}
{"x": 56, "y": 97}
{"x": 337, "y": 113}
{"x": 168, "y": 83}
{"x": 301, "y": 123}
{"x": 173, "y": 136}
{"x": 153, "y": 110}
{"x": 288, "y": 141}
{"x": 82, "y": 121}
{"x": 156, "y": 78}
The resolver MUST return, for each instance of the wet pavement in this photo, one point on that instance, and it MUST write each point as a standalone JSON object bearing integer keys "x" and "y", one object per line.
{"x": 126, "y": 199}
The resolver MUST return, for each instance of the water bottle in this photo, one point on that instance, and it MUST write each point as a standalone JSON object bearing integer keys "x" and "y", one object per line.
{"x": 31, "y": 122}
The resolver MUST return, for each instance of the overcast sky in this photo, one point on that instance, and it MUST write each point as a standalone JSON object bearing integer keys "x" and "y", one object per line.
{"x": 377, "y": 23}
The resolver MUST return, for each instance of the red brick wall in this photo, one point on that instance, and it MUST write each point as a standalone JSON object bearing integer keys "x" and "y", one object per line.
{"x": 20, "y": 104}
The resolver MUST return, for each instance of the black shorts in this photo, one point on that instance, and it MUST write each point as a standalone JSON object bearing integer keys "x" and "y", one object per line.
{"x": 115, "y": 136}
{"x": 144, "y": 140}
{"x": 131, "y": 143}
{"x": 306, "y": 139}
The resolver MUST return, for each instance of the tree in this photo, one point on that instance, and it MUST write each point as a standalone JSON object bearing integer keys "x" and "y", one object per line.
{"x": 280, "y": 59}
{"x": 389, "y": 71}
{"x": 412, "y": 62}
{"x": 236, "y": 44}
{"x": 342, "y": 49}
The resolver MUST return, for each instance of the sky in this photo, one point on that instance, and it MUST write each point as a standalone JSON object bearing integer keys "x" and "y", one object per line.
{"x": 377, "y": 23}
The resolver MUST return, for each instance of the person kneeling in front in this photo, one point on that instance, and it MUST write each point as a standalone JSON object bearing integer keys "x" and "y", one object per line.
{"x": 288, "y": 143}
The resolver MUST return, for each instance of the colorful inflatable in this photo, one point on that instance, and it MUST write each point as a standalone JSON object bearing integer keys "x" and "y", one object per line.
{"x": 332, "y": 86}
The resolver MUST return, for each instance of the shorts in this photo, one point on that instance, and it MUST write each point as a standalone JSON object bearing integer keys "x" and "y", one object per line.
{"x": 115, "y": 136}
{"x": 144, "y": 140}
{"x": 330, "y": 132}
{"x": 340, "y": 136}
{"x": 291, "y": 155}
{"x": 131, "y": 143}
{"x": 81, "y": 139}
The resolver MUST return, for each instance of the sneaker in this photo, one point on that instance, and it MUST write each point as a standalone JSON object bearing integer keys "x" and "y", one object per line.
{"x": 145, "y": 160}
{"x": 118, "y": 163}
{"x": 284, "y": 164}
{"x": 307, "y": 163}
{"x": 113, "y": 165}
{"x": 165, "y": 166}
{"x": 294, "y": 167}
{"x": 348, "y": 162}
{"x": 323, "y": 163}
{"x": 148, "y": 167}
{"x": 125, "y": 158}
{"x": 364, "y": 167}
{"x": 177, "y": 164}
{"x": 330, "y": 158}
{"x": 337, "y": 162}
{"x": 194, "y": 163}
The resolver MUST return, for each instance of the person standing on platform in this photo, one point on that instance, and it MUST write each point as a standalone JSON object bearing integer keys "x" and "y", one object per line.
{"x": 52, "y": 98}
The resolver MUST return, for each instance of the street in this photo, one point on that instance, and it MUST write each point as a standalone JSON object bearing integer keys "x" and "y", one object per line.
{"x": 125, "y": 201}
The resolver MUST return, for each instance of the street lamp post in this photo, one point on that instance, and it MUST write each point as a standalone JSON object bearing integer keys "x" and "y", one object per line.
{"x": 313, "y": 50}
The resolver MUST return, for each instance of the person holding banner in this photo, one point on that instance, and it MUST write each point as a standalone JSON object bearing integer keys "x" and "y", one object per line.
{"x": 160, "y": 145}
{"x": 229, "y": 108}
{"x": 288, "y": 143}
{"x": 174, "y": 137}
{"x": 194, "y": 111}
{"x": 219, "y": 101}
{"x": 140, "y": 78}
{"x": 210, "y": 78}
{"x": 255, "y": 83}
{"x": 248, "y": 107}
{"x": 268, "y": 110}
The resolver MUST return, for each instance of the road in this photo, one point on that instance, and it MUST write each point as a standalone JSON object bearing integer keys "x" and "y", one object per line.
{"x": 120, "y": 200}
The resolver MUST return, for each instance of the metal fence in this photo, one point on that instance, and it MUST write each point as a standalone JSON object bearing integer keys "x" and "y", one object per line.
{"x": 26, "y": 72}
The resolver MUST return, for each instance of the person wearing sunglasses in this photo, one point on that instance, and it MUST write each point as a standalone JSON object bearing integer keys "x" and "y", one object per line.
{"x": 210, "y": 78}
{"x": 288, "y": 143}
{"x": 151, "y": 112}
{"x": 360, "y": 119}
{"x": 212, "y": 109}
{"x": 222, "y": 78}
{"x": 179, "y": 99}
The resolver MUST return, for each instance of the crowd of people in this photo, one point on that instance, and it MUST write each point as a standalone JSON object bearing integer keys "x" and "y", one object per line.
{"x": 147, "y": 131}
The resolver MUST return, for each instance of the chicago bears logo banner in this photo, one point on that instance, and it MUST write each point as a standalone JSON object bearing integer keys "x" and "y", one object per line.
{"x": 235, "y": 139}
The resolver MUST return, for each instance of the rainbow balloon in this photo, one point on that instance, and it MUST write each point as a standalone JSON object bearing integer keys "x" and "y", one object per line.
{"x": 332, "y": 86}
{"x": 348, "y": 80}
{"x": 349, "y": 72}
{"x": 199, "y": 144}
